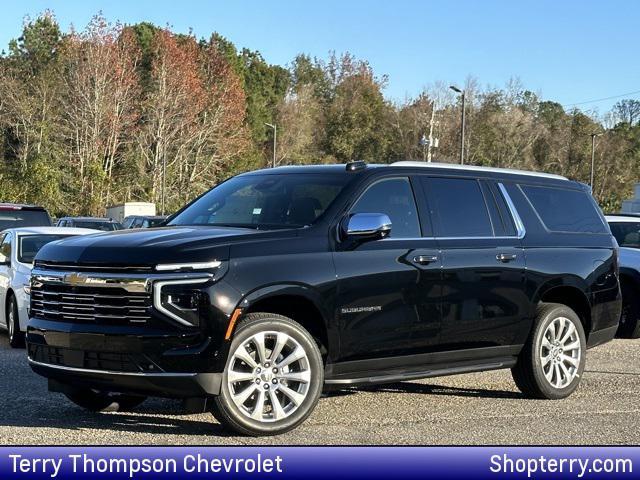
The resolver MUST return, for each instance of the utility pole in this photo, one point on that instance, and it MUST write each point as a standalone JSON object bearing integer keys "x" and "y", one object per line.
{"x": 431, "y": 122}
{"x": 275, "y": 135}
{"x": 462, "y": 92}
{"x": 593, "y": 158}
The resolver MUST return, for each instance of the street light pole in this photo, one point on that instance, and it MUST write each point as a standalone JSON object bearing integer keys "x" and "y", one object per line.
{"x": 275, "y": 135}
{"x": 593, "y": 158}
{"x": 462, "y": 92}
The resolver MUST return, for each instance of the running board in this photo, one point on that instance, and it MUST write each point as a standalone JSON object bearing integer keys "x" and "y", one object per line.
{"x": 415, "y": 375}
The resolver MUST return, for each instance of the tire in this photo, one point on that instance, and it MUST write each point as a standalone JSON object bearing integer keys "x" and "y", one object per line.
{"x": 255, "y": 412}
{"x": 16, "y": 337}
{"x": 543, "y": 370}
{"x": 630, "y": 318}
{"x": 98, "y": 401}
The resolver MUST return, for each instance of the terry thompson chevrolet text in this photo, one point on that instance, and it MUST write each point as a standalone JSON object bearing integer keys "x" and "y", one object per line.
{"x": 278, "y": 283}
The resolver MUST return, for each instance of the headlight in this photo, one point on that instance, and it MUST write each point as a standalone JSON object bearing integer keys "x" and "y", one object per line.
{"x": 180, "y": 300}
{"x": 27, "y": 289}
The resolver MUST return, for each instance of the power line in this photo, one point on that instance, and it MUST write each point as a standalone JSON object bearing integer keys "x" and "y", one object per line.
{"x": 601, "y": 99}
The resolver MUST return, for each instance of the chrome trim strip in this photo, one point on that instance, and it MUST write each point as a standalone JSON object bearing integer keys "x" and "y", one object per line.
{"x": 520, "y": 230}
{"x": 157, "y": 301}
{"x": 132, "y": 283}
{"x": 110, "y": 372}
{"x": 164, "y": 267}
{"x": 475, "y": 168}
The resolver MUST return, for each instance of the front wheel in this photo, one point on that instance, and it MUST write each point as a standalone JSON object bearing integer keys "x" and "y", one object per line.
{"x": 16, "y": 337}
{"x": 552, "y": 361}
{"x": 273, "y": 377}
{"x": 99, "y": 401}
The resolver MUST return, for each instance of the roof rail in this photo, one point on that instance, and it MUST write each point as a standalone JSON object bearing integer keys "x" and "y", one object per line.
{"x": 474, "y": 168}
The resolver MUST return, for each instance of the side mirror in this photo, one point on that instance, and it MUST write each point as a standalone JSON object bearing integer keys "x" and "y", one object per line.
{"x": 366, "y": 226}
{"x": 4, "y": 260}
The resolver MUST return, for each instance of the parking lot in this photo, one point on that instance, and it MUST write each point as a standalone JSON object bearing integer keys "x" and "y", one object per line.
{"x": 480, "y": 408}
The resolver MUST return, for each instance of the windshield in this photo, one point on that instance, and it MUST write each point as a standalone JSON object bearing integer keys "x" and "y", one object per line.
{"x": 31, "y": 244}
{"x": 264, "y": 201}
{"x": 105, "y": 226}
{"x": 627, "y": 233}
{"x": 23, "y": 218}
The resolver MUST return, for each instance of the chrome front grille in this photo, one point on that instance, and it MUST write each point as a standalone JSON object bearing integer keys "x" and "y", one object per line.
{"x": 78, "y": 298}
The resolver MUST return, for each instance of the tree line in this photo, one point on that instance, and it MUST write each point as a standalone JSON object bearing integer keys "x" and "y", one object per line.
{"x": 114, "y": 113}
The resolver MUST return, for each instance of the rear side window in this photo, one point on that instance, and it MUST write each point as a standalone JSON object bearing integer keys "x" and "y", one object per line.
{"x": 563, "y": 210}
{"x": 457, "y": 207}
{"x": 23, "y": 218}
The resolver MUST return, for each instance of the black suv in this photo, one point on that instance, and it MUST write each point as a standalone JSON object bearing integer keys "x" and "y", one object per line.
{"x": 278, "y": 283}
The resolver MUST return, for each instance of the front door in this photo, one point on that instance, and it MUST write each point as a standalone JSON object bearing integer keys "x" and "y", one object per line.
{"x": 388, "y": 290}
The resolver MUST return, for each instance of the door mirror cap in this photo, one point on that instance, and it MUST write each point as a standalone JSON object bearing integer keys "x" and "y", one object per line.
{"x": 366, "y": 226}
{"x": 4, "y": 260}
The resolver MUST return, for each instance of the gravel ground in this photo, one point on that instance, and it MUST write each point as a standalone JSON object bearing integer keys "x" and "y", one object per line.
{"x": 482, "y": 408}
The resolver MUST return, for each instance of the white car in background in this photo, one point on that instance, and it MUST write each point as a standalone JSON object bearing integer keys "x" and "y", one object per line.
{"x": 18, "y": 247}
{"x": 626, "y": 229}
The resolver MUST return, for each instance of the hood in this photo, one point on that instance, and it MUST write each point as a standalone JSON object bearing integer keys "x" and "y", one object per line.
{"x": 147, "y": 247}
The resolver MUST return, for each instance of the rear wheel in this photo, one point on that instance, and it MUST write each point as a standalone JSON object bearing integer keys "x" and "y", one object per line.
{"x": 273, "y": 377}
{"x": 552, "y": 361}
{"x": 99, "y": 401}
{"x": 16, "y": 337}
{"x": 630, "y": 318}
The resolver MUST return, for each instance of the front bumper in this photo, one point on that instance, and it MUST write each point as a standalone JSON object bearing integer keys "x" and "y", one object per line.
{"x": 164, "y": 384}
{"x": 127, "y": 360}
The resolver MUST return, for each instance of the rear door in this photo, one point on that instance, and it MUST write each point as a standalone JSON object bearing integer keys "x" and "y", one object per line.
{"x": 483, "y": 264}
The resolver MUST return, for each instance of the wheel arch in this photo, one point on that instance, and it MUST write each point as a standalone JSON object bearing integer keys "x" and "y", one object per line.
{"x": 570, "y": 294}
{"x": 300, "y": 303}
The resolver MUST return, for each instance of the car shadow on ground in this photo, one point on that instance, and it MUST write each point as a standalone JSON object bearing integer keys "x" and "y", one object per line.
{"x": 153, "y": 417}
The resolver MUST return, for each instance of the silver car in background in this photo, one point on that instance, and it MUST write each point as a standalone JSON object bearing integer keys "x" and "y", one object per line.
{"x": 18, "y": 248}
{"x": 626, "y": 229}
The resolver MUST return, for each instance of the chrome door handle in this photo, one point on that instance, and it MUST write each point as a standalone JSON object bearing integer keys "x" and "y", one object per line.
{"x": 506, "y": 257}
{"x": 425, "y": 259}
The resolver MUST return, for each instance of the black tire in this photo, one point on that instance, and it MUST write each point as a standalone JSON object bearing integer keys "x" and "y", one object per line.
{"x": 529, "y": 374}
{"x": 16, "y": 337}
{"x": 630, "y": 319}
{"x": 237, "y": 418}
{"x": 98, "y": 401}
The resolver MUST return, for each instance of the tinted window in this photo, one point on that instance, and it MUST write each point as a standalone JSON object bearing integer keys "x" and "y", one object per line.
{"x": 627, "y": 233}
{"x": 23, "y": 218}
{"x": 565, "y": 210}
{"x": 458, "y": 207}
{"x": 395, "y": 198}
{"x": 31, "y": 244}
{"x": 265, "y": 201}
{"x": 105, "y": 226}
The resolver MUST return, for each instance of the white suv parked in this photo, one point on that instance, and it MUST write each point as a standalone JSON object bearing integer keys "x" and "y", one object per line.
{"x": 18, "y": 247}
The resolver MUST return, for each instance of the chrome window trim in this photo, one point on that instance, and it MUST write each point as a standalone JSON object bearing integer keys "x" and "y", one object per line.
{"x": 520, "y": 230}
{"x": 110, "y": 372}
{"x": 157, "y": 300}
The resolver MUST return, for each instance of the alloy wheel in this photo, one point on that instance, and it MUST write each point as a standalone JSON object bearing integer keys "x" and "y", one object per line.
{"x": 269, "y": 376}
{"x": 11, "y": 320}
{"x": 560, "y": 352}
